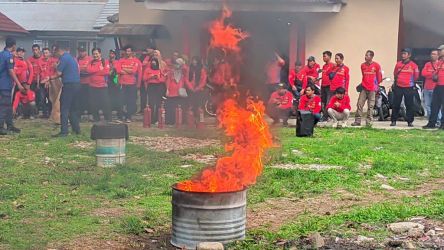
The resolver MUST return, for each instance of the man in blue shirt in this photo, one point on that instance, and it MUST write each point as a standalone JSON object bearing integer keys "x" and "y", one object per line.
{"x": 8, "y": 80}
{"x": 68, "y": 69}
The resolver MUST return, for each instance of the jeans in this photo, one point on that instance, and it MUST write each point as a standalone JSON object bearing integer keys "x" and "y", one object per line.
{"x": 69, "y": 107}
{"x": 437, "y": 104}
{"x": 428, "y": 96}
{"x": 339, "y": 116}
{"x": 99, "y": 100}
{"x": 129, "y": 98}
{"x": 408, "y": 94}
{"x": 5, "y": 108}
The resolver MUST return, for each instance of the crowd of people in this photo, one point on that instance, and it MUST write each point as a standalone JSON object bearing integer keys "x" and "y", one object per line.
{"x": 324, "y": 91}
{"x": 63, "y": 88}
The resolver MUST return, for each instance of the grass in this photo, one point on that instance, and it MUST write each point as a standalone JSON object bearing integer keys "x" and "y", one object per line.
{"x": 50, "y": 190}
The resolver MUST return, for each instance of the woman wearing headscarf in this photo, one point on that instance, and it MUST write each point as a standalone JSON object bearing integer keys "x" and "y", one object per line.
{"x": 197, "y": 80}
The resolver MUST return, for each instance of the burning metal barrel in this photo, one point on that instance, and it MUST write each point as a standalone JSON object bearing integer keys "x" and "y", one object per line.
{"x": 110, "y": 143}
{"x": 207, "y": 217}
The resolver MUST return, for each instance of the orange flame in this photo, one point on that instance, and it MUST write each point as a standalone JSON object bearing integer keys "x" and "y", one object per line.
{"x": 245, "y": 125}
{"x": 226, "y": 36}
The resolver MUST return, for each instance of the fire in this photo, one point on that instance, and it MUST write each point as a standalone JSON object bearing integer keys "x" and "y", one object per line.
{"x": 224, "y": 35}
{"x": 245, "y": 124}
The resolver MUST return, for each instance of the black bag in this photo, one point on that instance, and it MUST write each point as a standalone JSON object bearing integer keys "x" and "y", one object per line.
{"x": 435, "y": 77}
{"x": 333, "y": 74}
{"x": 359, "y": 88}
{"x": 304, "y": 124}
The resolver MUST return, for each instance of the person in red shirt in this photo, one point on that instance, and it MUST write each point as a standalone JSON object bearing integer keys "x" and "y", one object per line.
{"x": 27, "y": 100}
{"x": 83, "y": 59}
{"x": 312, "y": 70}
{"x": 406, "y": 73}
{"x": 311, "y": 102}
{"x": 371, "y": 78}
{"x": 325, "y": 82}
{"x": 50, "y": 86}
{"x": 176, "y": 94}
{"x": 114, "y": 87}
{"x": 24, "y": 72}
{"x": 438, "y": 94}
{"x": 280, "y": 104}
{"x": 297, "y": 78}
{"x": 428, "y": 72}
{"x": 273, "y": 71}
{"x": 154, "y": 81}
{"x": 130, "y": 78}
{"x": 98, "y": 70}
{"x": 34, "y": 60}
{"x": 147, "y": 54}
{"x": 196, "y": 82}
{"x": 339, "y": 107}
{"x": 339, "y": 75}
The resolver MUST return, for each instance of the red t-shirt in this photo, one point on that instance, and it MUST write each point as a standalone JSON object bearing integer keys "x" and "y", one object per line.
{"x": 83, "y": 64}
{"x": 47, "y": 67}
{"x": 172, "y": 85}
{"x": 427, "y": 72}
{"x": 98, "y": 73}
{"x": 326, "y": 69}
{"x": 312, "y": 72}
{"x": 312, "y": 104}
{"x": 200, "y": 83}
{"x": 341, "y": 78}
{"x": 28, "y": 97}
{"x": 286, "y": 100}
{"x": 371, "y": 76}
{"x": 344, "y": 103}
{"x": 441, "y": 73}
{"x": 35, "y": 62}
{"x": 148, "y": 76}
{"x": 129, "y": 70}
{"x": 301, "y": 76}
{"x": 23, "y": 70}
{"x": 406, "y": 74}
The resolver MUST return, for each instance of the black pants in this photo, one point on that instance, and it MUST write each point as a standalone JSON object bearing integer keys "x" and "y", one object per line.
{"x": 115, "y": 96}
{"x": 155, "y": 94}
{"x": 437, "y": 104}
{"x": 99, "y": 100}
{"x": 326, "y": 95}
{"x": 408, "y": 94}
{"x": 43, "y": 101}
{"x": 84, "y": 99}
{"x": 129, "y": 101}
{"x": 143, "y": 96}
{"x": 5, "y": 108}
{"x": 171, "y": 104}
{"x": 69, "y": 107}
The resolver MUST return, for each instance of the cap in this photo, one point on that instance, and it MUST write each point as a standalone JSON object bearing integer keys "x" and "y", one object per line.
{"x": 20, "y": 49}
{"x": 441, "y": 47}
{"x": 311, "y": 58}
{"x": 81, "y": 49}
{"x": 407, "y": 50}
{"x": 113, "y": 51}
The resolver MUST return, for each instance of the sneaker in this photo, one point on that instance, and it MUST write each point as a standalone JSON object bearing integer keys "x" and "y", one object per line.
{"x": 335, "y": 125}
{"x": 393, "y": 124}
{"x": 14, "y": 129}
{"x": 429, "y": 126}
{"x": 410, "y": 124}
{"x": 344, "y": 124}
{"x": 356, "y": 124}
{"x": 128, "y": 121}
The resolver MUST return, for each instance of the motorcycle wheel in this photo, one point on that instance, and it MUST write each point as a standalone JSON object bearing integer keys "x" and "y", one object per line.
{"x": 210, "y": 108}
{"x": 385, "y": 110}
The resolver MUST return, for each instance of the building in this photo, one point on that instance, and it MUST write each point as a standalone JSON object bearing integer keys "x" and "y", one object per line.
{"x": 9, "y": 28}
{"x": 73, "y": 24}
{"x": 296, "y": 28}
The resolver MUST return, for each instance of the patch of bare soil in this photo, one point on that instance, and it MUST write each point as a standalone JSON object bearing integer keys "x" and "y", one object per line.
{"x": 168, "y": 144}
{"x": 119, "y": 242}
{"x": 82, "y": 144}
{"x": 316, "y": 167}
{"x": 113, "y": 212}
{"x": 273, "y": 213}
{"x": 201, "y": 158}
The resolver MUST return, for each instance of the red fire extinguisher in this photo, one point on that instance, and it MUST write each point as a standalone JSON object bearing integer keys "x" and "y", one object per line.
{"x": 201, "y": 123}
{"x": 147, "y": 117}
{"x": 161, "y": 122}
{"x": 178, "y": 116}
{"x": 190, "y": 118}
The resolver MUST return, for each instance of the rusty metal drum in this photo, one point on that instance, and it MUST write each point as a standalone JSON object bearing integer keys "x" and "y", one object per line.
{"x": 207, "y": 217}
